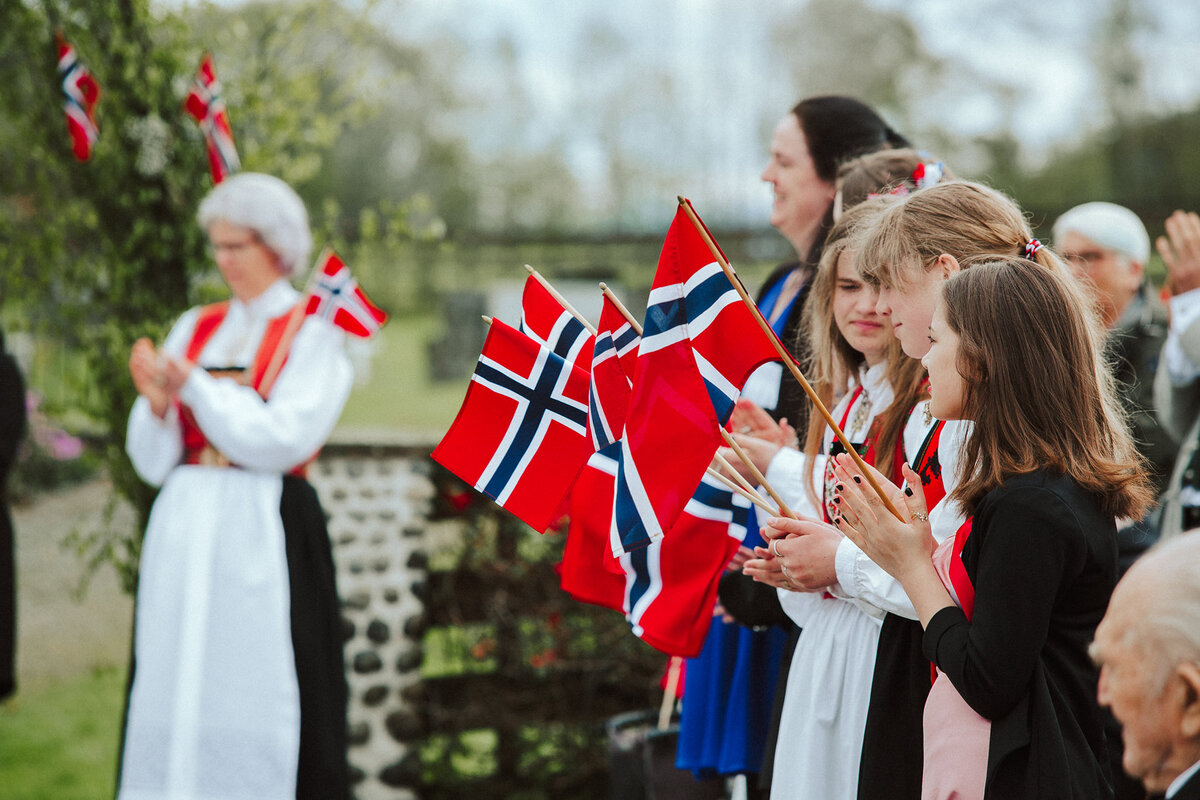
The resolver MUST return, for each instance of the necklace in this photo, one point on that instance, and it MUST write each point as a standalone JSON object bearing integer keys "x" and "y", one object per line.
{"x": 862, "y": 411}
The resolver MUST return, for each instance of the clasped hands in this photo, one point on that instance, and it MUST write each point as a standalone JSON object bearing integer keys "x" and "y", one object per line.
{"x": 156, "y": 376}
{"x": 801, "y": 553}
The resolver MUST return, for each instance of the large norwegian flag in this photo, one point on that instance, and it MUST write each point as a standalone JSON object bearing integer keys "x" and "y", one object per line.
{"x": 334, "y": 295}
{"x": 521, "y": 434}
{"x": 546, "y": 321}
{"x": 81, "y": 93}
{"x": 614, "y": 359}
{"x": 206, "y": 105}
{"x": 699, "y": 344}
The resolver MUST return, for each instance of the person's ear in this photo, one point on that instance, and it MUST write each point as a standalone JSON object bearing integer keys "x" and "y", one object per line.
{"x": 947, "y": 265}
{"x": 1189, "y": 674}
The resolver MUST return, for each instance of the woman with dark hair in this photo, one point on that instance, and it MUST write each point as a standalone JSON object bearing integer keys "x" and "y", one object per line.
{"x": 727, "y": 721}
{"x": 808, "y": 147}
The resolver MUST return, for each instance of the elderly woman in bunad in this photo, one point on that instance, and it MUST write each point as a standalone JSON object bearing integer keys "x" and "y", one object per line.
{"x": 238, "y": 689}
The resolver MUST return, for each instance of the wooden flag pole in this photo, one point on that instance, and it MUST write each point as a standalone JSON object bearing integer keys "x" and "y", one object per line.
{"x": 733, "y": 487}
{"x": 637, "y": 326}
{"x": 746, "y": 489}
{"x": 295, "y": 319}
{"x": 786, "y": 357}
{"x": 562, "y": 300}
{"x": 758, "y": 476}
{"x": 674, "y": 668}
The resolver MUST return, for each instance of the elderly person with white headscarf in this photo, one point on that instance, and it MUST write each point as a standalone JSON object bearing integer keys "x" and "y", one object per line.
{"x": 238, "y": 688}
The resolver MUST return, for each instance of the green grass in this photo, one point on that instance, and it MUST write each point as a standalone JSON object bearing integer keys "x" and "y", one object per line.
{"x": 59, "y": 742}
{"x": 399, "y": 394}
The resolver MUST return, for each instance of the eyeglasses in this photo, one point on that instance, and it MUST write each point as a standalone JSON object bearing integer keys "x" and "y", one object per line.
{"x": 1084, "y": 258}
{"x": 233, "y": 248}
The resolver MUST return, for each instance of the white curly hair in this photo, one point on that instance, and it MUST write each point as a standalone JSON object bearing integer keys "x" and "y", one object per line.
{"x": 267, "y": 206}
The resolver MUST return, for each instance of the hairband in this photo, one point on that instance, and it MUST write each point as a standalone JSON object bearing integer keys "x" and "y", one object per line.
{"x": 923, "y": 176}
{"x": 926, "y": 175}
{"x": 1031, "y": 248}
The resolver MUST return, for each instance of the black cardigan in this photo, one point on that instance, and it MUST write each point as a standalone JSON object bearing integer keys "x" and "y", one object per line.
{"x": 1043, "y": 559}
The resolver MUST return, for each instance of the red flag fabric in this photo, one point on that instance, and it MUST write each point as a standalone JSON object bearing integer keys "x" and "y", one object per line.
{"x": 546, "y": 321}
{"x": 699, "y": 344}
{"x": 205, "y": 104}
{"x": 671, "y": 585}
{"x": 521, "y": 434}
{"x": 589, "y": 572}
{"x": 81, "y": 93}
{"x": 337, "y": 297}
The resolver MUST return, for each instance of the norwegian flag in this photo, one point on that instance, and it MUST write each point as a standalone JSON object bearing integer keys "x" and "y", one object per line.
{"x": 671, "y": 585}
{"x": 614, "y": 359}
{"x": 544, "y": 320}
{"x": 81, "y": 93}
{"x": 588, "y": 571}
{"x": 699, "y": 344}
{"x": 337, "y": 297}
{"x": 521, "y": 434}
{"x": 667, "y": 589}
{"x": 205, "y": 105}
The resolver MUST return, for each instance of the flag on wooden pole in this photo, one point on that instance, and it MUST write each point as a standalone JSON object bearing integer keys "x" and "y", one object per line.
{"x": 206, "y": 105}
{"x": 521, "y": 434}
{"x": 81, "y": 93}
{"x": 335, "y": 295}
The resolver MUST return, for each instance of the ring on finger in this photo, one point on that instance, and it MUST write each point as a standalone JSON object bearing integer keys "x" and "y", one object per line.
{"x": 774, "y": 548}
{"x": 919, "y": 515}
{"x": 787, "y": 576}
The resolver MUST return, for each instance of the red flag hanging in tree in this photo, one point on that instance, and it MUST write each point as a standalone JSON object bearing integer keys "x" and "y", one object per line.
{"x": 81, "y": 93}
{"x": 335, "y": 295}
{"x": 205, "y": 104}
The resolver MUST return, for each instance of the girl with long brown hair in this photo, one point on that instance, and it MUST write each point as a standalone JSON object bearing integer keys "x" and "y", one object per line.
{"x": 1010, "y": 604}
{"x": 918, "y": 241}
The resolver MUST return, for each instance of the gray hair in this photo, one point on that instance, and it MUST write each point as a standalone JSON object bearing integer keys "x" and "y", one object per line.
{"x": 1168, "y": 632}
{"x": 267, "y": 206}
{"x": 1109, "y": 225}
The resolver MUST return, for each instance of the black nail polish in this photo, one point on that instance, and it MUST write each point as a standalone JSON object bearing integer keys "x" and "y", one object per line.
{"x": 838, "y": 488}
{"x": 857, "y": 479}
{"x": 908, "y": 490}
{"x": 837, "y": 500}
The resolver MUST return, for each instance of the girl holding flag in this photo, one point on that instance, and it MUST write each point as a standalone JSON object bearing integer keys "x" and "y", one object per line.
{"x": 1010, "y": 604}
{"x": 728, "y": 706}
{"x": 238, "y": 685}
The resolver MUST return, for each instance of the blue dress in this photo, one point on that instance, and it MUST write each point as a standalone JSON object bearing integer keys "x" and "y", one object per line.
{"x": 729, "y": 689}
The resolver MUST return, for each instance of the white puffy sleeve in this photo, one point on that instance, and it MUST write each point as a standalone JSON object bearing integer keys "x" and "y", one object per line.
{"x": 861, "y": 579}
{"x": 291, "y": 425}
{"x": 155, "y": 446}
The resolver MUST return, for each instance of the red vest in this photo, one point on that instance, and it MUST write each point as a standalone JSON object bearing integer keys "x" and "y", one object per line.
{"x": 196, "y": 448}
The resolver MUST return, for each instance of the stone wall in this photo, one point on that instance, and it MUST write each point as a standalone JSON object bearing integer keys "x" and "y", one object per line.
{"x": 377, "y": 499}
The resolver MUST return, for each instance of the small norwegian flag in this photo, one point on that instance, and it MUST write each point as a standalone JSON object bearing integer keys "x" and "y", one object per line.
{"x": 334, "y": 295}
{"x": 205, "y": 104}
{"x": 81, "y": 93}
